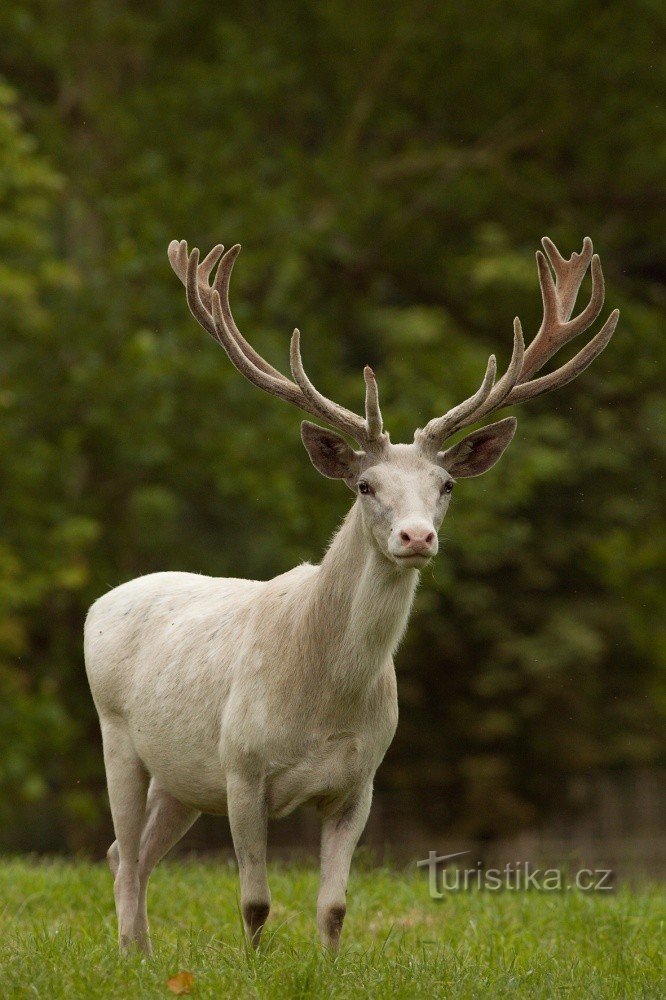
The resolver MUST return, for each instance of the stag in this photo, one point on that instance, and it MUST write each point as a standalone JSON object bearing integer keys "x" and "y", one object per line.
{"x": 248, "y": 698}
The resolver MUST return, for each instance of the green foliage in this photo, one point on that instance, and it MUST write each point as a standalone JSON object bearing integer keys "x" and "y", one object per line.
{"x": 59, "y": 939}
{"x": 389, "y": 174}
{"x": 32, "y": 719}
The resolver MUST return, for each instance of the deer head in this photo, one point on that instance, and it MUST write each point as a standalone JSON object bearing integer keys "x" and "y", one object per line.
{"x": 404, "y": 489}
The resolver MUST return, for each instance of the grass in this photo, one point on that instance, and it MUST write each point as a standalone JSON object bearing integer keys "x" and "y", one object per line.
{"x": 57, "y": 938}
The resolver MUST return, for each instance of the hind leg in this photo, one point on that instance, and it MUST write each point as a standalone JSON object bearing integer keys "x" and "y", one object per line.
{"x": 167, "y": 820}
{"x": 127, "y": 782}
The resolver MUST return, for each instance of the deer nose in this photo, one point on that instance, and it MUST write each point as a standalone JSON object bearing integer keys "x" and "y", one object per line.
{"x": 419, "y": 540}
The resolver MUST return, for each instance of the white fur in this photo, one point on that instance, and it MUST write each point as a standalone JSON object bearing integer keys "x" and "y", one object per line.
{"x": 251, "y": 698}
{"x": 248, "y": 698}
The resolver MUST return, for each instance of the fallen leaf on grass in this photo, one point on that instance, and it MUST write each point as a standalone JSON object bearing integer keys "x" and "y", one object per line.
{"x": 181, "y": 983}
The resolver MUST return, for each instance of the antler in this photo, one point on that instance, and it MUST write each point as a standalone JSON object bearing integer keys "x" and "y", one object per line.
{"x": 209, "y": 304}
{"x": 557, "y": 329}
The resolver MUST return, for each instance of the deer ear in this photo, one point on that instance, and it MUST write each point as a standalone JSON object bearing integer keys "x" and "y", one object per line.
{"x": 330, "y": 454}
{"x": 479, "y": 451}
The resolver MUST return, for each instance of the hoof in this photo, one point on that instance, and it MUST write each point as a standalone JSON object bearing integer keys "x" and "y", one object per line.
{"x": 331, "y": 922}
{"x": 129, "y": 944}
{"x": 254, "y": 917}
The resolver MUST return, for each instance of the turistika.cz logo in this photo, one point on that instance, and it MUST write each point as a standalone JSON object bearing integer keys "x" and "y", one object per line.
{"x": 519, "y": 876}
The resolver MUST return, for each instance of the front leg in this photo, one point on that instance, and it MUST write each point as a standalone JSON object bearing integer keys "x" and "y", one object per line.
{"x": 340, "y": 833}
{"x": 246, "y": 804}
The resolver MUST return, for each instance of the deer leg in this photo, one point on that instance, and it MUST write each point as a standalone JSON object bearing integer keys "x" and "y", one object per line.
{"x": 166, "y": 822}
{"x": 127, "y": 781}
{"x": 248, "y": 818}
{"x": 340, "y": 833}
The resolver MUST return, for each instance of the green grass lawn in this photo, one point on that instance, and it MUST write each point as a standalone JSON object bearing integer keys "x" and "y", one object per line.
{"x": 57, "y": 938}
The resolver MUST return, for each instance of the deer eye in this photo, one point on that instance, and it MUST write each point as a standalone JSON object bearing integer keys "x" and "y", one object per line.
{"x": 447, "y": 487}
{"x": 365, "y": 487}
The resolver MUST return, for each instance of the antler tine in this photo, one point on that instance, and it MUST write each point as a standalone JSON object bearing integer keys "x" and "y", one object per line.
{"x": 335, "y": 414}
{"x": 178, "y": 257}
{"x": 209, "y": 304}
{"x": 207, "y": 265}
{"x": 197, "y": 308}
{"x": 569, "y": 273}
{"x": 372, "y": 428}
{"x": 557, "y": 328}
{"x": 214, "y": 325}
{"x": 280, "y": 387}
{"x": 214, "y": 321}
{"x": 221, "y": 285}
{"x": 373, "y": 414}
{"x": 181, "y": 261}
{"x": 559, "y": 298}
{"x": 459, "y": 416}
{"x": 568, "y": 371}
{"x": 500, "y": 392}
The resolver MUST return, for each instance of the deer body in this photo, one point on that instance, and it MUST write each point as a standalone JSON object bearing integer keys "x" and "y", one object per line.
{"x": 295, "y": 673}
{"x": 251, "y": 698}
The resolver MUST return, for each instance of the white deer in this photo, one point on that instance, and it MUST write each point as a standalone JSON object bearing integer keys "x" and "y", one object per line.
{"x": 250, "y": 698}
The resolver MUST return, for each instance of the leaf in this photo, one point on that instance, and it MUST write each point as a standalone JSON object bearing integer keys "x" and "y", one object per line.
{"x": 181, "y": 983}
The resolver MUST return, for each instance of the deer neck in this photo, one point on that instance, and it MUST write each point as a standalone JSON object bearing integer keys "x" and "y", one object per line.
{"x": 362, "y": 602}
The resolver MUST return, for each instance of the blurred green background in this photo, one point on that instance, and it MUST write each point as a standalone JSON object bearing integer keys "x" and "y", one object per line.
{"x": 389, "y": 171}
